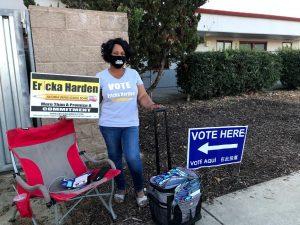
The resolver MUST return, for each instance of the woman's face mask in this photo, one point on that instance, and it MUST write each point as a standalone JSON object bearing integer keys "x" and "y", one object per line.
{"x": 117, "y": 61}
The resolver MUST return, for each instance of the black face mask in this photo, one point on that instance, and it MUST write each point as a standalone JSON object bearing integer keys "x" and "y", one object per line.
{"x": 117, "y": 61}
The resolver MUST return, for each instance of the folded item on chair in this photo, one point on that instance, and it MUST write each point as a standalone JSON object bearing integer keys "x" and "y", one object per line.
{"x": 77, "y": 182}
{"x": 101, "y": 173}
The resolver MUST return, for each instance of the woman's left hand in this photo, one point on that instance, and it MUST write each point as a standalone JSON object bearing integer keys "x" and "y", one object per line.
{"x": 156, "y": 106}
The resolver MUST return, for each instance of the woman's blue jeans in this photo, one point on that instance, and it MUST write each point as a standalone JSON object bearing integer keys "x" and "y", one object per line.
{"x": 124, "y": 141}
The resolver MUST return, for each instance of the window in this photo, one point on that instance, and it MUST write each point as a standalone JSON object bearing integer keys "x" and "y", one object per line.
{"x": 222, "y": 45}
{"x": 245, "y": 46}
{"x": 287, "y": 44}
{"x": 260, "y": 46}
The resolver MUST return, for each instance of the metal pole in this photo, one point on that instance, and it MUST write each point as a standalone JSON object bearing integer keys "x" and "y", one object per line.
{"x": 156, "y": 143}
{"x": 168, "y": 141}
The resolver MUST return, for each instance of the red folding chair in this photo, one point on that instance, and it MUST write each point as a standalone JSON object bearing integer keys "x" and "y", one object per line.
{"x": 47, "y": 155}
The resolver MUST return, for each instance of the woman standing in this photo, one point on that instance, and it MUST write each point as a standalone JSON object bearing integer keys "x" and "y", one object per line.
{"x": 122, "y": 90}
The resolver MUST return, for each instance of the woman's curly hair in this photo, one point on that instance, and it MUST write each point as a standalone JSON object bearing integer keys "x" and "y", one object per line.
{"x": 107, "y": 47}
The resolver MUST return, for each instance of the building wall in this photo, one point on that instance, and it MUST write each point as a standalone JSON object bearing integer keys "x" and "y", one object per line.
{"x": 239, "y": 26}
{"x": 50, "y": 3}
{"x": 67, "y": 41}
{"x": 210, "y": 43}
{"x": 244, "y": 25}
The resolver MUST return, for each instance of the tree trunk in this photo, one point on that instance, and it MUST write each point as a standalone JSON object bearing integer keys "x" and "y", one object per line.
{"x": 159, "y": 75}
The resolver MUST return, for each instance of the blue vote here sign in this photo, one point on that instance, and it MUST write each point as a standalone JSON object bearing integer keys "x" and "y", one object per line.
{"x": 215, "y": 146}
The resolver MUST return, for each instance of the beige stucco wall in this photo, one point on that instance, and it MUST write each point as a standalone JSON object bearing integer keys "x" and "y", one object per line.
{"x": 67, "y": 41}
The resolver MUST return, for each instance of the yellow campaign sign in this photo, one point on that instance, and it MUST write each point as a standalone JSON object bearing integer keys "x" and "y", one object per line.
{"x": 63, "y": 86}
{"x": 73, "y": 96}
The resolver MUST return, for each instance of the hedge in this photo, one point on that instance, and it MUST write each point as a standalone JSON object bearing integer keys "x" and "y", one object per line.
{"x": 290, "y": 73}
{"x": 205, "y": 75}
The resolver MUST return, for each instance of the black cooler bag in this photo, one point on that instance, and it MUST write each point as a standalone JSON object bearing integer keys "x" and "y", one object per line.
{"x": 166, "y": 210}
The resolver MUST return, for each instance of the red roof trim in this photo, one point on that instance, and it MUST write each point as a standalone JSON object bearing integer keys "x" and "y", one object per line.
{"x": 243, "y": 14}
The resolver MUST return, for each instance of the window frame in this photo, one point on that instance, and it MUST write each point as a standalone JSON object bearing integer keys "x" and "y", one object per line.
{"x": 287, "y": 42}
{"x": 223, "y": 44}
{"x": 253, "y": 43}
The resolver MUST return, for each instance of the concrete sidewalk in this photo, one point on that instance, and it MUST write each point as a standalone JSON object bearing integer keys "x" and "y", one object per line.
{"x": 276, "y": 202}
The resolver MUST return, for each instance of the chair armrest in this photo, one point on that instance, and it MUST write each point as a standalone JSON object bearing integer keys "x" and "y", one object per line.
{"x": 30, "y": 188}
{"x": 102, "y": 161}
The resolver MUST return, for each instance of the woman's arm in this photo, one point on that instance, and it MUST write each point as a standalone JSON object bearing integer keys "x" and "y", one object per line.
{"x": 145, "y": 100}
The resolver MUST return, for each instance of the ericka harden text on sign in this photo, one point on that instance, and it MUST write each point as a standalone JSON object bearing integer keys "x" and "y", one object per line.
{"x": 54, "y": 95}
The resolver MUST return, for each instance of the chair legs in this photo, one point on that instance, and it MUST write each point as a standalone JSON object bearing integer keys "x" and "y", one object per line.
{"x": 34, "y": 221}
{"x": 56, "y": 214}
{"x": 108, "y": 204}
{"x": 13, "y": 218}
{"x": 58, "y": 218}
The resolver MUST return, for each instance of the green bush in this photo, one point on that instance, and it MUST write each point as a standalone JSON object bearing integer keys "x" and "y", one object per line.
{"x": 209, "y": 74}
{"x": 290, "y": 73}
